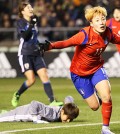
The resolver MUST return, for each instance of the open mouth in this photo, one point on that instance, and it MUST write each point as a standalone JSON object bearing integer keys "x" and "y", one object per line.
{"x": 102, "y": 27}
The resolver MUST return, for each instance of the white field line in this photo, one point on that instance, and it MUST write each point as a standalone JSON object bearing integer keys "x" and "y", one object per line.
{"x": 54, "y": 127}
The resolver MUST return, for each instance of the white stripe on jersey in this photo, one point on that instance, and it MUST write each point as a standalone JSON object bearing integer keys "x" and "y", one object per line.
{"x": 20, "y": 46}
{"x": 21, "y": 62}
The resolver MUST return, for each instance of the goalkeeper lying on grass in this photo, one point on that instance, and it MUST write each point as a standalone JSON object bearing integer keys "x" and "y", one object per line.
{"x": 38, "y": 112}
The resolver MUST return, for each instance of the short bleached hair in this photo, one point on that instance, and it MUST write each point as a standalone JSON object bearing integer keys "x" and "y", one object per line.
{"x": 91, "y": 12}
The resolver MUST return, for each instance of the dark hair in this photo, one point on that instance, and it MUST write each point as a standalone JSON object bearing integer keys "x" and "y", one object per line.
{"x": 71, "y": 110}
{"x": 21, "y": 7}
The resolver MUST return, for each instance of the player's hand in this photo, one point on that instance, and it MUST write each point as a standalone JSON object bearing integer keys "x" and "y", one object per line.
{"x": 41, "y": 48}
{"x": 34, "y": 20}
{"x": 47, "y": 45}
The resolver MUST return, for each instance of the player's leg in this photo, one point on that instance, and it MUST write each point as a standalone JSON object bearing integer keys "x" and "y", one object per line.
{"x": 26, "y": 84}
{"x": 27, "y": 69}
{"x": 85, "y": 87}
{"x": 8, "y": 116}
{"x": 42, "y": 73}
{"x": 103, "y": 88}
{"x": 20, "y": 113}
{"x": 100, "y": 80}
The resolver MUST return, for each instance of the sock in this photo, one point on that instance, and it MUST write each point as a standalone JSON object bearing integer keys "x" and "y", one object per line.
{"x": 106, "y": 113}
{"x": 22, "y": 89}
{"x": 48, "y": 91}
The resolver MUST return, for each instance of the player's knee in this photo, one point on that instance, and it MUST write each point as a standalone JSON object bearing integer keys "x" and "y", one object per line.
{"x": 106, "y": 98}
{"x": 31, "y": 81}
{"x": 95, "y": 107}
{"x": 44, "y": 78}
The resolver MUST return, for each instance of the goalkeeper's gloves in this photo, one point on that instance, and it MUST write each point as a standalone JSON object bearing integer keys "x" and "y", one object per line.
{"x": 47, "y": 45}
{"x": 34, "y": 20}
{"x": 41, "y": 48}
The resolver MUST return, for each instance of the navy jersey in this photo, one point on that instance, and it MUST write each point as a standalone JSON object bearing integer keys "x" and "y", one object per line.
{"x": 27, "y": 47}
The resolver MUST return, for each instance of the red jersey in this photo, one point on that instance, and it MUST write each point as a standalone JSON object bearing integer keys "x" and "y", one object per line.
{"x": 115, "y": 26}
{"x": 89, "y": 46}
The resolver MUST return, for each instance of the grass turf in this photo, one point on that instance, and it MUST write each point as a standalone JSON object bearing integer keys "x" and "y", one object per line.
{"x": 62, "y": 87}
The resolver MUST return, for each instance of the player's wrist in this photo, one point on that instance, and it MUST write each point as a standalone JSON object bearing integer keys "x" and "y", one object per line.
{"x": 31, "y": 25}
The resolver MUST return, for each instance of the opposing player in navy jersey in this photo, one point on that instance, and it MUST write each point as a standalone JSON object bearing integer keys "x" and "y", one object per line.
{"x": 29, "y": 56}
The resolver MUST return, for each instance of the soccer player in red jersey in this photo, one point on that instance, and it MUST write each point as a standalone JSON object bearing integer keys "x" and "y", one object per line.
{"x": 114, "y": 24}
{"x": 87, "y": 72}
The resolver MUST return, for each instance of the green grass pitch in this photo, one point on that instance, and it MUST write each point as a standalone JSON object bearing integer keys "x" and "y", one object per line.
{"x": 88, "y": 121}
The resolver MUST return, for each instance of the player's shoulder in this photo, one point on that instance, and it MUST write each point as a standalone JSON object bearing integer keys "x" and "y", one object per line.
{"x": 110, "y": 19}
{"x": 21, "y": 22}
{"x": 86, "y": 29}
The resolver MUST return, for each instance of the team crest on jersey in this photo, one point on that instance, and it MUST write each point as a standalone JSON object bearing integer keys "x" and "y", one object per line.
{"x": 26, "y": 65}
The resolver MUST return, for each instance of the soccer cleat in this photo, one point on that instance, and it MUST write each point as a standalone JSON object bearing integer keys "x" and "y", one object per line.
{"x": 106, "y": 130}
{"x": 15, "y": 100}
{"x": 55, "y": 103}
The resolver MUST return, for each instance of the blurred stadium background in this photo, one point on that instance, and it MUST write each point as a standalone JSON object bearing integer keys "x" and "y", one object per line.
{"x": 58, "y": 20}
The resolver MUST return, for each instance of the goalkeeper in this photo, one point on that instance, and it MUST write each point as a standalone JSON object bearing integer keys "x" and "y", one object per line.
{"x": 38, "y": 112}
{"x": 30, "y": 55}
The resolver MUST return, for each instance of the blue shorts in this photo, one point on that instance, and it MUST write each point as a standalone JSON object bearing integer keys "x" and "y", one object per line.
{"x": 29, "y": 62}
{"x": 86, "y": 85}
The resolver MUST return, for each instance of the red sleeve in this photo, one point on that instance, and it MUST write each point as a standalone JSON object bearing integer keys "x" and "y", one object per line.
{"x": 75, "y": 40}
{"x": 115, "y": 38}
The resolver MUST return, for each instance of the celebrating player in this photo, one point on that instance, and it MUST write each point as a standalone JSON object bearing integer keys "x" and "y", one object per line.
{"x": 30, "y": 58}
{"x": 87, "y": 72}
{"x": 38, "y": 112}
{"x": 114, "y": 24}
